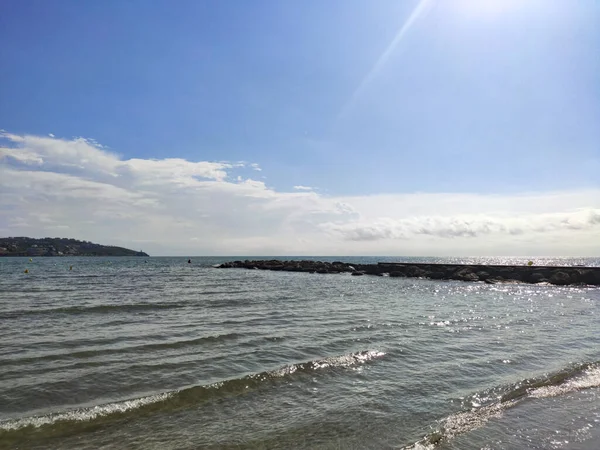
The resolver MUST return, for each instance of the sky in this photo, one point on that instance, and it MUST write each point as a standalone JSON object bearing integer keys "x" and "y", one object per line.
{"x": 339, "y": 127}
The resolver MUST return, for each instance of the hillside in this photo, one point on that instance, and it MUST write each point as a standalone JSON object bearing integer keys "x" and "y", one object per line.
{"x": 25, "y": 246}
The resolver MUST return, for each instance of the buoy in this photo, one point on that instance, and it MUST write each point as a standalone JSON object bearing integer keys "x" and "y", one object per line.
{"x": 530, "y": 263}
{"x": 30, "y": 259}
{"x": 26, "y": 270}
{"x": 70, "y": 267}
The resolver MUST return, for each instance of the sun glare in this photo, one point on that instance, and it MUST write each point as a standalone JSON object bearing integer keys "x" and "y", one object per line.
{"x": 486, "y": 7}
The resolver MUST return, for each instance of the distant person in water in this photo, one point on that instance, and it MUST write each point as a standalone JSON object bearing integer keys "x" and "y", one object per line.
{"x": 189, "y": 261}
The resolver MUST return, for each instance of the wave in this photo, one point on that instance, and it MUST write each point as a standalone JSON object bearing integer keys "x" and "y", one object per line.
{"x": 99, "y": 309}
{"x": 58, "y": 423}
{"x": 228, "y": 291}
{"x": 84, "y": 414}
{"x": 492, "y": 403}
{"x": 92, "y": 353}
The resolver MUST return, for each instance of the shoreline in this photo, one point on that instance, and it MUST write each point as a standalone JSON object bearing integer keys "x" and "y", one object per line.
{"x": 489, "y": 273}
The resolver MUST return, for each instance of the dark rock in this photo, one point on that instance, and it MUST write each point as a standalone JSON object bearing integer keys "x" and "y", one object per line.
{"x": 537, "y": 277}
{"x": 397, "y": 274}
{"x": 358, "y": 273}
{"x": 489, "y": 273}
{"x": 470, "y": 277}
{"x": 503, "y": 272}
{"x": 560, "y": 278}
{"x": 414, "y": 271}
{"x": 465, "y": 274}
{"x": 371, "y": 270}
{"x": 589, "y": 276}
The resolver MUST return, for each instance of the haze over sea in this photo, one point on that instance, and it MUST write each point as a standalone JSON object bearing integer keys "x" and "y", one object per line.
{"x": 158, "y": 353}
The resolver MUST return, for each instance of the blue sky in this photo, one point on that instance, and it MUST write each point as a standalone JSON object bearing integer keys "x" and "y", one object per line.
{"x": 352, "y": 98}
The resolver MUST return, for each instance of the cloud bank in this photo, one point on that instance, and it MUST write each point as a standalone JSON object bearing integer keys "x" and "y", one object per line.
{"x": 78, "y": 188}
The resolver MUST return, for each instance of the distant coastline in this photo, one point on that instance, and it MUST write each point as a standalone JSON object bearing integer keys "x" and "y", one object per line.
{"x": 26, "y": 246}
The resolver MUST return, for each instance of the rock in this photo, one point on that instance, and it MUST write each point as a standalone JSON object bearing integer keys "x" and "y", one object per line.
{"x": 371, "y": 270}
{"x": 414, "y": 271}
{"x": 589, "y": 276}
{"x": 465, "y": 274}
{"x": 537, "y": 277}
{"x": 560, "y": 278}
{"x": 470, "y": 277}
{"x": 489, "y": 273}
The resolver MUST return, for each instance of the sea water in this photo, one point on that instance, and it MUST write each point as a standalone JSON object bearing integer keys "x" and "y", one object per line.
{"x": 158, "y": 353}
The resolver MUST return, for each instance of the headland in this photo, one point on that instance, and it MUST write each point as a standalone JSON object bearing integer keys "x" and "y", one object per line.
{"x": 26, "y": 246}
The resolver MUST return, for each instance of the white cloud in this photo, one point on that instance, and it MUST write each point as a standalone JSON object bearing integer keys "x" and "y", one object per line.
{"x": 466, "y": 226}
{"x": 77, "y": 188}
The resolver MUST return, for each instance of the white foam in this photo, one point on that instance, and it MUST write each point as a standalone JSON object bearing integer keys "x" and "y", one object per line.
{"x": 420, "y": 446}
{"x": 589, "y": 379}
{"x": 334, "y": 361}
{"x": 84, "y": 414}
{"x": 477, "y": 417}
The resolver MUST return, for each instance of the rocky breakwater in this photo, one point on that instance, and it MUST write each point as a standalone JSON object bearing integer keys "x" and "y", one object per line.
{"x": 487, "y": 273}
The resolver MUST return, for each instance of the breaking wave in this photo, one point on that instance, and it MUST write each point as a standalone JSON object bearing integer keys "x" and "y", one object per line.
{"x": 492, "y": 403}
{"x": 58, "y": 423}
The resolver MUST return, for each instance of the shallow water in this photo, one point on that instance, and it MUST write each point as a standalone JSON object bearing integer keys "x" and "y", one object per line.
{"x": 149, "y": 353}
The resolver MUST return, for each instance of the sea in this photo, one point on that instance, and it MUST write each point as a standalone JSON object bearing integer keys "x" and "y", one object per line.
{"x": 159, "y": 353}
